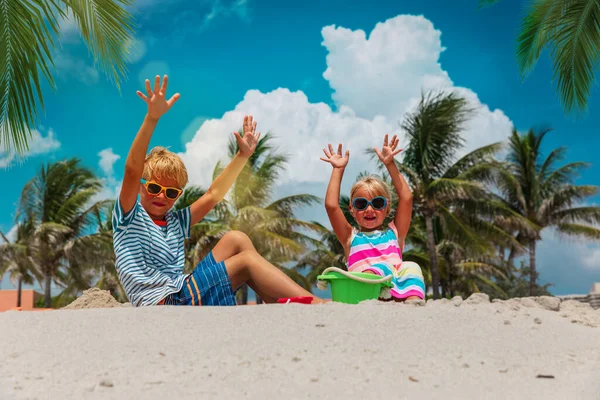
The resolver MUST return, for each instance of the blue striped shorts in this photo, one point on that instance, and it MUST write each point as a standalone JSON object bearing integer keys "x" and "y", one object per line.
{"x": 209, "y": 282}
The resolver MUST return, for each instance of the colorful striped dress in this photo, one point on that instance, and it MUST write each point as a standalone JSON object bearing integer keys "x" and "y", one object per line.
{"x": 378, "y": 252}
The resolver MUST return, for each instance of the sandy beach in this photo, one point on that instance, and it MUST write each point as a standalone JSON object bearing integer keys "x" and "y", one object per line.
{"x": 520, "y": 349}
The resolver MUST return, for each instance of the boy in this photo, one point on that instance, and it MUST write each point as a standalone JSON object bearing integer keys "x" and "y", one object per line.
{"x": 149, "y": 238}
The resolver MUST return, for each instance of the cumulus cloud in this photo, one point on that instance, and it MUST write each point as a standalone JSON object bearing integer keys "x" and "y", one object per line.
{"x": 219, "y": 8}
{"x": 38, "y": 144}
{"x": 107, "y": 160}
{"x": 301, "y": 130}
{"x": 571, "y": 264}
{"x": 376, "y": 79}
{"x": 150, "y": 70}
{"x": 137, "y": 50}
{"x": 110, "y": 185}
{"x": 70, "y": 67}
{"x": 592, "y": 260}
{"x": 385, "y": 73}
{"x": 11, "y": 235}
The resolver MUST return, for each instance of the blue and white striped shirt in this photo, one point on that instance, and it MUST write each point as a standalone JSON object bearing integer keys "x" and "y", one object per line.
{"x": 150, "y": 258}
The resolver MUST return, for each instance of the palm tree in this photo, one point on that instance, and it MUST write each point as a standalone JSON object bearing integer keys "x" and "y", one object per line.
{"x": 440, "y": 182}
{"x": 271, "y": 225}
{"x": 101, "y": 242}
{"x": 16, "y": 260}
{"x": 28, "y": 34}
{"x": 571, "y": 30}
{"x": 328, "y": 252}
{"x": 538, "y": 190}
{"x": 58, "y": 201}
{"x": 187, "y": 198}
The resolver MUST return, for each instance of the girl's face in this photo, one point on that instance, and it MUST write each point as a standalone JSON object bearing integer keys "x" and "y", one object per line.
{"x": 157, "y": 205}
{"x": 369, "y": 219}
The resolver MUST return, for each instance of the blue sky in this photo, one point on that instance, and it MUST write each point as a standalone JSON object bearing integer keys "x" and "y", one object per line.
{"x": 311, "y": 74}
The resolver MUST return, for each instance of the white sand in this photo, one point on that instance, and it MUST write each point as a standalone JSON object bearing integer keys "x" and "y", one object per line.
{"x": 444, "y": 350}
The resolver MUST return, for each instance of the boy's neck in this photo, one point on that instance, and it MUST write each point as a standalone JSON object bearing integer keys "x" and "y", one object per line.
{"x": 157, "y": 217}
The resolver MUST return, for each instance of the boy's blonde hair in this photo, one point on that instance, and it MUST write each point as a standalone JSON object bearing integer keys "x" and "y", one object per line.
{"x": 162, "y": 163}
{"x": 374, "y": 185}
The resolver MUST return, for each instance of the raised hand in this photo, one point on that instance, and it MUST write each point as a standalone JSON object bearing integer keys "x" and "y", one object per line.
{"x": 156, "y": 99}
{"x": 248, "y": 142}
{"x": 336, "y": 159}
{"x": 387, "y": 152}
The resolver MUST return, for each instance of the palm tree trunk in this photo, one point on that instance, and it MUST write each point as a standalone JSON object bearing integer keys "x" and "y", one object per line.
{"x": 433, "y": 261}
{"x": 443, "y": 285}
{"x": 511, "y": 257}
{"x": 532, "y": 268}
{"x": 19, "y": 290}
{"x": 450, "y": 281}
{"x": 47, "y": 295}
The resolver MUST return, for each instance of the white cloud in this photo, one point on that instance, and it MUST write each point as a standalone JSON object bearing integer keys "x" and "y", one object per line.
{"x": 137, "y": 50}
{"x": 38, "y": 144}
{"x": 110, "y": 189}
{"x": 110, "y": 185}
{"x": 220, "y": 8}
{"x": 591, "y": 260}
{"x": 150, "y": 70}
{"x": 571, "y": 264}
{"x": 69, "y": 30}
{"x": 69, "y": 67}
{"x": 376, "y": 80}
{"x": 107, "y": 160}
{"x": 11, "y": 235}
{"x": 385, "y": 73}
{"x": 301, "y": 128}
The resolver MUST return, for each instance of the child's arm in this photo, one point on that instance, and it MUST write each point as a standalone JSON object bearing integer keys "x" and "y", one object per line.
{"x": 134, "y": 166}
{"x": 220, "y": 186}
{"x": 405, "y": 198}
{"x": 340, "y": 225}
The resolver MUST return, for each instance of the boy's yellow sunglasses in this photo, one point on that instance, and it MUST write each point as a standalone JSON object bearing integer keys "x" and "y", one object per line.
{"x": 155, "y": 189}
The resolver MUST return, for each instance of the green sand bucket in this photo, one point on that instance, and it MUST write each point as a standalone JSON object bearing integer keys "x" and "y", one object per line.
{"x": 354, "y": 287}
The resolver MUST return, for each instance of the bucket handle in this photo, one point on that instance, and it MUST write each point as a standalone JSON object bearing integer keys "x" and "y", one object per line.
{"x": 385, "y": 292}
{"x": 357, "y": 278}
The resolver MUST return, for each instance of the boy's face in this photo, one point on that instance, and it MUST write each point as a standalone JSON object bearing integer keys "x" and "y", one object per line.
{"x": 157, "y": 205}
{"x": 368, "y": 219}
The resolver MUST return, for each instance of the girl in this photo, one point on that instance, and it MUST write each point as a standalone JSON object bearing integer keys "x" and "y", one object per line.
{"x": 373, "y": 249}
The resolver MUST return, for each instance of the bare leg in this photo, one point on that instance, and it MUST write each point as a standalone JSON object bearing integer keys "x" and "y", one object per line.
{"x": 268, "y": 280}
{"x": 263, "y": 296}
{"x": 230, "y": 244}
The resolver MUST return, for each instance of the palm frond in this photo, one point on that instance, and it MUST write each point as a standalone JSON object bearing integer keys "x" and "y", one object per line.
{"x": 459, "y": 231}
{"x": 535, "y": 34}
{"x": 106, "y": 27}
{"x": 473, "y": 159}
{"x": 571, "y": 30}
{"x": 576, "y": 44}
{"x": 434, "y": 131}
{"x": 27, "y": 29}
{"x": 454, "y": 189}
{"x": 578, "y": 230}
{"x": 590, "y": 215}
{"x": 563, "y": 198}
{"x": 285, "y": 206}
{"x": 563, "y": 175}
{"x": 188, "y": 197}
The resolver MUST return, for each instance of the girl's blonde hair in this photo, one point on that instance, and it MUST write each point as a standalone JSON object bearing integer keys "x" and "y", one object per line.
{"x": 162, "y": 163}
{"x": 374, "y": 185}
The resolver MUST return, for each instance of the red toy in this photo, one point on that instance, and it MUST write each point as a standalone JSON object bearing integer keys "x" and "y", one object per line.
{"x": 300, "y": 299}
